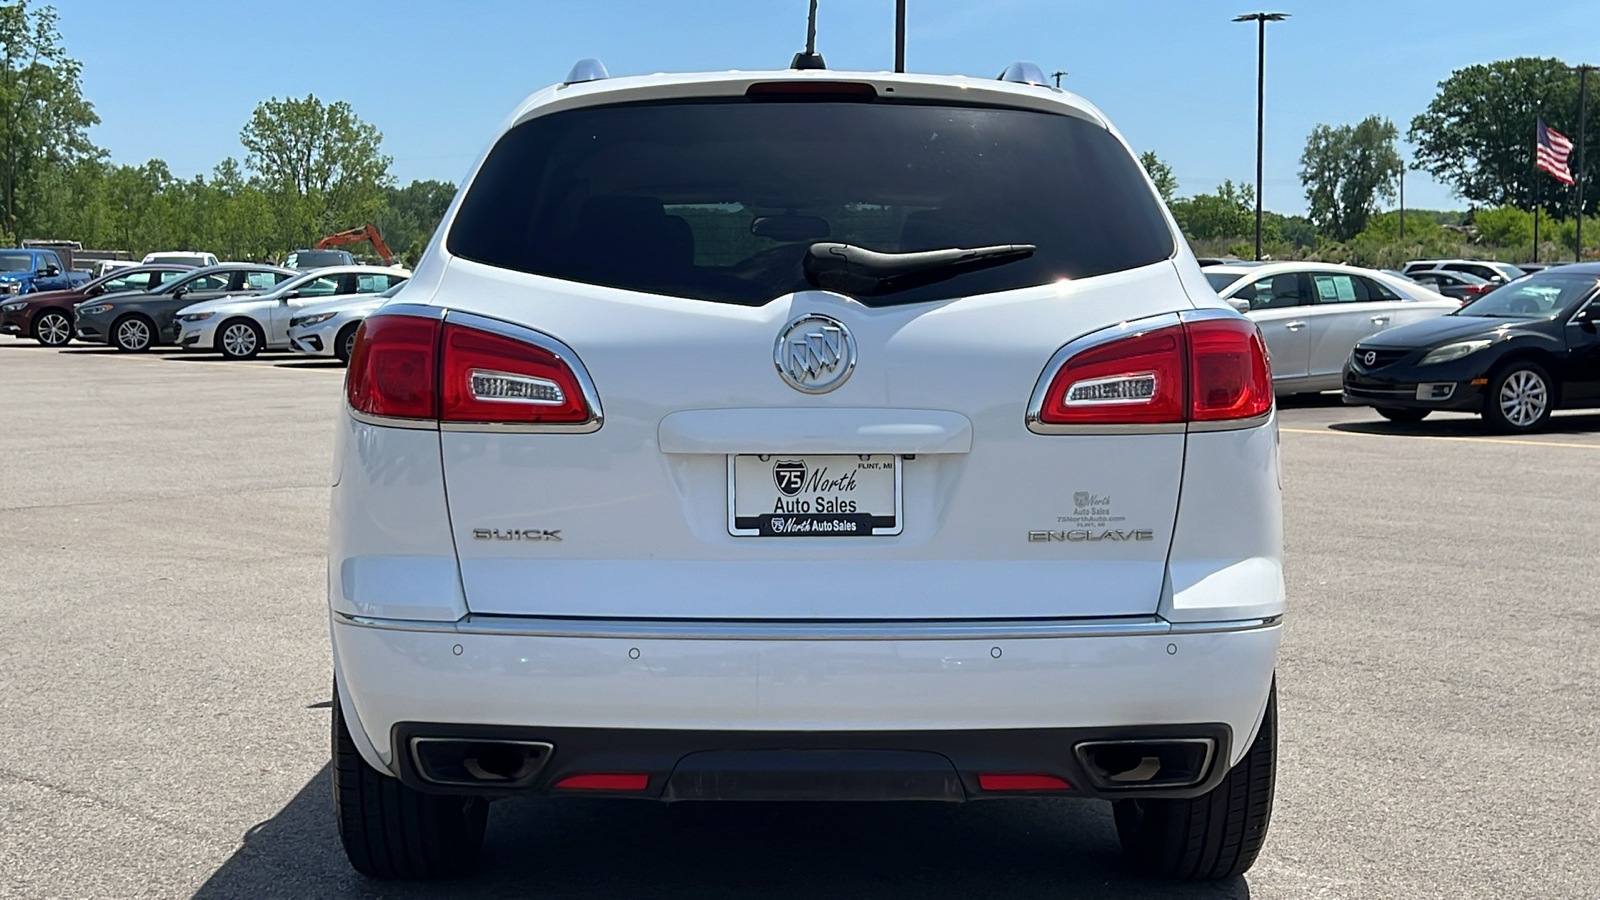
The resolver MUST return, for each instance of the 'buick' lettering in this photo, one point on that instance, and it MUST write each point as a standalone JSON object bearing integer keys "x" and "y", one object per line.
{"x": 1085, "y": 536}
{"x": 516, "y": 534}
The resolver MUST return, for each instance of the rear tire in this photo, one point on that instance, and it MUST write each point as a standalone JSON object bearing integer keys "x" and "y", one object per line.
{"x": 392, "y": 831}
{"x": 133, "y": 334}
{"x": 1405, "y": 416}
{"x": 52, "y": 328}
{"x": 1216, "y": 835}
{"x": 345, "y": 343}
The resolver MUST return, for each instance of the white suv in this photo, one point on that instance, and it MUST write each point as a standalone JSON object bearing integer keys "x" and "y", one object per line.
{"x": 806, "y": 435}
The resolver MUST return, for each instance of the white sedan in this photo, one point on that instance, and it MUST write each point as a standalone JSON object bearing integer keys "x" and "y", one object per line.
{"x": 1313, "y": 314}
{"x": 329, "y": 329}
{"x": 241, "y": 327}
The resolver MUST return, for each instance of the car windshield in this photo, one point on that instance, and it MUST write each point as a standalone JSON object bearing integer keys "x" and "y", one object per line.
{"x": 1510, "y": 271}
{"x": 722, "y": 200}
{"x": 16, "y": 262}
{"x": 1220, "y": 280}
{"x": 1538, "y": 296}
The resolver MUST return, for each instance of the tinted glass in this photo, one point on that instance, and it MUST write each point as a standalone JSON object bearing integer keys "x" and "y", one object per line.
{"x": 720, "y": 201}
{"x": 320, "y": 287}
{"x": 215, "y": 281}
{"x": 1377, "y": 290}
{"x": 138, "y": 281}
{"x": 1275, "y": 292}
{"x": 1541, "y": 295}
{"x": 312, "y": 259}
{"x": 1220, "y": 280}
{"x": 16, "y": 262}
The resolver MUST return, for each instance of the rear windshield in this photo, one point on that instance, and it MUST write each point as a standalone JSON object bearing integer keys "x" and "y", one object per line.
{"x": 312, "y": 259}
{"x": 721, "y": 200}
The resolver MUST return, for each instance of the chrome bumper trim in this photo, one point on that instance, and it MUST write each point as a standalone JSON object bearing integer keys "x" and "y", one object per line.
{"x": 748, "y": 630}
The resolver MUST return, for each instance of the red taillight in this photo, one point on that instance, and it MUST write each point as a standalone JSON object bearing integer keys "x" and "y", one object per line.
{"x": 1135, "y": 380}
{"x": 604, "y": 782}
{"x": 492, "y": 378}
{"x": 1022, "y": 783}
{"x": 1228, "y": 373}
{"x": 1197, "y": 371}
{"x": 415, "y": 367}
{"x": 394, "y": 368}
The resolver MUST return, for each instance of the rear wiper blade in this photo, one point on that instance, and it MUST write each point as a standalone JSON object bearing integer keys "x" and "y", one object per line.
{"x": 860, "y": 272}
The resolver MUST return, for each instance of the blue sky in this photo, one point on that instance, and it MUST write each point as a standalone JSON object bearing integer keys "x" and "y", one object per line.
{"x": 176, "y": 79}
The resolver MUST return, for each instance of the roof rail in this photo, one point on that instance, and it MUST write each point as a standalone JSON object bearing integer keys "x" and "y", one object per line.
{"x": 589, "y": 69}
{"x": 1024, "y": 73}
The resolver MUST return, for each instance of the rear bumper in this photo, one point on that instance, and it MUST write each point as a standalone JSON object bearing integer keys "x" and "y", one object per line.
{"x": 1005, "y": 701}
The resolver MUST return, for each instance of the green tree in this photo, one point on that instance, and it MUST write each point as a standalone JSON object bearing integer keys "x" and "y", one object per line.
{"x": 1160, "y": 173}
{"x": 1229, "y": 213}
{"x": 411, "y": 215}
{"x": 44, "y": 119}
{"x": 1477, "y": 135}
{"x": 319, "y": 162}
{"x": 1345, "y": 170}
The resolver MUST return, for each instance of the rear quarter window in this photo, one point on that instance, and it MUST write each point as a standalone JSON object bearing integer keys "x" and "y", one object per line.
{"x": 721, "y": 200}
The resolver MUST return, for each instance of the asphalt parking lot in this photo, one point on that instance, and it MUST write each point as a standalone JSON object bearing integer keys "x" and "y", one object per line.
{"x": 167, "y": 675}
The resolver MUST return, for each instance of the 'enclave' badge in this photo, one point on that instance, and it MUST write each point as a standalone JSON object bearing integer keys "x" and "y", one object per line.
{"x": 815, "y": 354}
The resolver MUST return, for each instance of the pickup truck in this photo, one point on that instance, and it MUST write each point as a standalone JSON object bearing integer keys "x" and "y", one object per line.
{"x": 30, "y": 270}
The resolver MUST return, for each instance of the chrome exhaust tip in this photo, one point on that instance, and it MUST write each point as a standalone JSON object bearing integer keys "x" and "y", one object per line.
{"x": 467, "y": 762}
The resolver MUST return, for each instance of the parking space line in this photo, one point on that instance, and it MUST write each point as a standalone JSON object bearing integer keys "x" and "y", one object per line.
{"x": 1443, "y": 437}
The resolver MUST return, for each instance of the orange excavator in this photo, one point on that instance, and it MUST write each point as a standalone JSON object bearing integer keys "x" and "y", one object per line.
{"x": 356, "y": 236}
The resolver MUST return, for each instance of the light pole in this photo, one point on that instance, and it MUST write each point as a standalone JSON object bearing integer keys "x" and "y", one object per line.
{"x": 1583, "y": 117}
{"x": 900, "y": 35}
{"x": 1261, "y": 20}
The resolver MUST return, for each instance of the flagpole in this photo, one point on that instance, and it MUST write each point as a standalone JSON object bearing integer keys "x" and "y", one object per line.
{"x": 1583, "y": 111}
{"x": 1536, "y": 120}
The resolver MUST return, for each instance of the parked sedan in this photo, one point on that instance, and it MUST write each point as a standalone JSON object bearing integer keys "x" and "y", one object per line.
{"x": 1512, "y": 356}
{"x": 1311, "y": 314}
{"x": 1456, "y": 285}
{"x": 136, "y": 322}
{"x": 241, "y": 327}
{"x": 46, "y": 316}
{"x": 329, "y": 329}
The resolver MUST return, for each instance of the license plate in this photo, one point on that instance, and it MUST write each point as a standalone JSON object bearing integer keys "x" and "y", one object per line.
{"x": 808, "y": 495}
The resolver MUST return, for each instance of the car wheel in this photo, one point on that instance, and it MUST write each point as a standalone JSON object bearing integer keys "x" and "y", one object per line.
{"x": 240, "y": 339}
{"x": 53, "y": 328}
{"x": 392, "y": 831}
{"x": 345, "y": 344}
{"x": 1520, "y": 398}
{"x": 1215, "y": 835}
{"x": 1408, "y": 416}
{"x": 133, "y": 334}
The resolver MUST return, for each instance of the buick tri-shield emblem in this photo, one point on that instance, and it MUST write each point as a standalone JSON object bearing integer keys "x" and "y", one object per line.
{"x": 815, "y": 354}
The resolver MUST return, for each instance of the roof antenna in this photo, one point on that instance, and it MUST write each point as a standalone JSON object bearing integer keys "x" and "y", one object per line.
{"x": 810, "y": 59}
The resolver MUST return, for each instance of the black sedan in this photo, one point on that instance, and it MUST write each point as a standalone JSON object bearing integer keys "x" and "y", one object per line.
{"x": 1513, "y": 355}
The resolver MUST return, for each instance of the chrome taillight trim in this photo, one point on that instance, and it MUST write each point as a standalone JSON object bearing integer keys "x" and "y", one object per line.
{"x": 1117, "y": 332}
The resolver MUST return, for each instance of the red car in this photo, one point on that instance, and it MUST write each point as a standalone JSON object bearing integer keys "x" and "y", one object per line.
{"x": 46, "y": 316}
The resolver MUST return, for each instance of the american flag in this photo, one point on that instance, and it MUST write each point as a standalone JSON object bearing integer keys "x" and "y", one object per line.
{"x": 1552, "y": 152}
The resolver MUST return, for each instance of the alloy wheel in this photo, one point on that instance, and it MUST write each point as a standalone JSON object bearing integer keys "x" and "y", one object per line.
{"x": 54, "y": 329}
{"x": 1523, "y": 398}
{"x": 133, "y": 334}
{"x": 239, "y": 339}
{"x": 349, "y": 344}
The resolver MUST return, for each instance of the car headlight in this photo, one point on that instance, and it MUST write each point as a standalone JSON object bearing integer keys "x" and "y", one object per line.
{"x": 196, "y": 317}
{"x": 1452, "y": 352}
{"x": 14, "y": 307}
{"x": 315, "y": 319}
{"x": 94, "y": 310}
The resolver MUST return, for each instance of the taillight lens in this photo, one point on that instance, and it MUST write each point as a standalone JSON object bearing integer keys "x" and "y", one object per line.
{"x": 1136, "y": 380}
{"x": 492, "y": 378}
{"x": 394, "y": 368}
{"x": 411, "y": 367}
{"x": 1199, "y": 371}
{"x": 1228, "y": 373}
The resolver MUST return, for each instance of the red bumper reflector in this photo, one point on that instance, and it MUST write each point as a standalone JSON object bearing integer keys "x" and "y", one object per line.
{"x": 1022, "y": 783}
{"x": 605, "y": 782}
